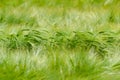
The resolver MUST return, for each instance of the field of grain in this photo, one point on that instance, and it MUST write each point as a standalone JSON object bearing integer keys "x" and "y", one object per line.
{"x": 59, "y": 39}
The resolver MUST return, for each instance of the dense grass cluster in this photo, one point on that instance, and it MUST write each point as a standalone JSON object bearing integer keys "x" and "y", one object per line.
{"x": 59, "y": 39}
{"x": 28, "y": 39}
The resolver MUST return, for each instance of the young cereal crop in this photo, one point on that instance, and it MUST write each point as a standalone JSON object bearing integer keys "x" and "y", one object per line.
{"x": 59, "y": 40}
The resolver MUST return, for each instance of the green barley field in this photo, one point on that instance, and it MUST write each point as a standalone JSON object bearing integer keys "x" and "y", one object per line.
{"x": 59, "y": 39}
